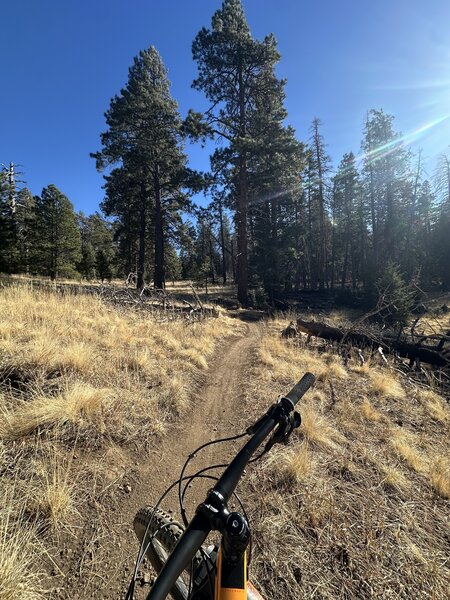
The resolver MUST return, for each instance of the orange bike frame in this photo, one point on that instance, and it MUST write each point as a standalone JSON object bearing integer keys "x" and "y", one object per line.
{"x": 231, "y": 580}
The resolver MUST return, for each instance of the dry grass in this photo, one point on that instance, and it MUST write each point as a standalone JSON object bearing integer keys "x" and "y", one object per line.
{"x": 78, "y": 404}
{"x": 415, "y": 459}
{"x": 317, "y": 429}
{"x": 370, "y": 412}
{"x": 383, "y": 384}
{"x": 54, "y": 494}
{"x": 19, "y": 578}
{"x": 440, "y": 476}
{"x": 357, "y": 508}
{"x": 435, "y": 405}
{"x": 291, "y": 465}
{"x": 79, "y": 378}
{"x": 74, "y": 360}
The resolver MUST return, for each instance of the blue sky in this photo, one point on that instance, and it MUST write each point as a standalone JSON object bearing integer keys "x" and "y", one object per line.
{"x": 62, "y": 61}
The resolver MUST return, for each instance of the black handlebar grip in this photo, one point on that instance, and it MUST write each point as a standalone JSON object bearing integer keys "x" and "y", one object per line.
{"x": 300, "y": 388}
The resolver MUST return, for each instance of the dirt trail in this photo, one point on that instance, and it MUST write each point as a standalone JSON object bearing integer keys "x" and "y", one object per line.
{"x": 216, "y": 412}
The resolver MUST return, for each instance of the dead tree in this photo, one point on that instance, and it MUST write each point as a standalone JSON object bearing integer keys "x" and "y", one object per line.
{"x": 416, "y": 352}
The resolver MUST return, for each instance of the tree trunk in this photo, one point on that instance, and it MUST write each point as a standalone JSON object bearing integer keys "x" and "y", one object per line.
{"x": 372, "y": 202}
{"x": 222, "y": 243}
{"x": 159, "y": 275}
{"x": 233, "y": 261}
{"x": 241, "y": 213}
{"x": 430, "y": 355}
{"x": 140, "y": 280}
{"x": 211, "y": 259}
{"x": 345, "y": 266}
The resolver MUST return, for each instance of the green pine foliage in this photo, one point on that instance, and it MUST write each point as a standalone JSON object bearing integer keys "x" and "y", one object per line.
{"x": 144, "y": 144}
{"x": 236, "y": 74}
{"x": 57, "y": 240}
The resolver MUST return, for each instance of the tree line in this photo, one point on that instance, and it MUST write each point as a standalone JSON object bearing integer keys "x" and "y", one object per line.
{"x": 42, "y": 235}
{"x": 279, "y": 219}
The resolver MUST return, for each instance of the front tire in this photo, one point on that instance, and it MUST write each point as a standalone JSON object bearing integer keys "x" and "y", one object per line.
{"x": 161, "y": 533}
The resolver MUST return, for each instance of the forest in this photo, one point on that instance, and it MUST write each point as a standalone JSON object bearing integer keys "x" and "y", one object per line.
{"x": 279, "y": 218}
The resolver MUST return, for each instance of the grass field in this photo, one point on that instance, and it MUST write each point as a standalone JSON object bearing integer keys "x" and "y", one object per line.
{"x": 357, "y": 505}
{"x": 79, "y": 377}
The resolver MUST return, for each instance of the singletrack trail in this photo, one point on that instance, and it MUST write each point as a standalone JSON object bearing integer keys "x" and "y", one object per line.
{"x": 217, "y": 411}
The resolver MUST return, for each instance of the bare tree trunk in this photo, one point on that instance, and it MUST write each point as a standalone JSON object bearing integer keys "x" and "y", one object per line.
{"x": 233, "y": 260}
{"x": 241, "y": 213}
{"x": 140, "y": 280}
{"x": 372, "y": 201}
{"x": 322, "y": 232}
{"x": 345, "y": 267}
{"x": 222, "y": 243}
{"x": 211, "y": 258}
{"x": 159, "y": 275}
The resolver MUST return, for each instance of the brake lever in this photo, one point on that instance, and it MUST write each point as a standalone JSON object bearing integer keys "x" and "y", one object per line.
{"x": 284, "y": 430}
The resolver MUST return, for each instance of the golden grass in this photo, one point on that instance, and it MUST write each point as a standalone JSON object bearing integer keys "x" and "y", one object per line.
{"x": 435, "y": 405}
{"x": 19, "y": 578}
{"x": 383, "y": 384}
{"x": 287, "y": 361}
{"x": 415, "y": 459}
{"x": 290, "y": 465}
{"x": 370, "y": 412}
{"x": 394, "y": 478}
{"x": 84, "y": 348}
{"x": 83, "y": 377}
{"x": 317, "y": 429}
{"x": 440, "y": 476}
{"x": 78, "y": 403}
{"x": 357, "y": 507}
{"x": 53, "y": 495}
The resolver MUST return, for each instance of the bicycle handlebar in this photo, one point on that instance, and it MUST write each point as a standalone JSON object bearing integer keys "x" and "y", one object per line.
{"x": 300, "y": 388}
{"x": 199, "y": 528}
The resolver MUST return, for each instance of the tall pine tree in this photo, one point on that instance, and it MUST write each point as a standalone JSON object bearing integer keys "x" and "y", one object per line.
{"x": 236, "y": 72}
{"x": 144, "y": 141}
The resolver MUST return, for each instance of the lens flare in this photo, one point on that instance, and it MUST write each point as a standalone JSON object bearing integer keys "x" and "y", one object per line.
{"x": 409, "y": 138}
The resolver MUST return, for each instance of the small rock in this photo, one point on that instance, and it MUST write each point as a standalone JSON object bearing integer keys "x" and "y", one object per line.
{"x": 146, "y": 578}
{"x": 127, "y": 488}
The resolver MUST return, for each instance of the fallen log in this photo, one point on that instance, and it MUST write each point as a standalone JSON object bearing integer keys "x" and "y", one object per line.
{"x": 414, "y": 351}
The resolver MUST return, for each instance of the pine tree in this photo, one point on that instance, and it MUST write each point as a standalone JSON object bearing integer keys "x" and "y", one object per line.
{"x": 122, "y": 201}
{"x": 144, "y": 141}
{"x": 86, "y": 266}
{"x": 346, "y": 256}
{"x": 236, "y": 72}
{"x": 5, "y": 239}
{"x": 9, "y": 242}
{"x": 25, "y": 223}
{"x": 387, "y": 186}
{"x": 57, "y": 242}
{"x": 187, "y": 250}
{"x": 320, "y": 163}
{"x": 97, "y": 248}
{"x": 441, "y": 245}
